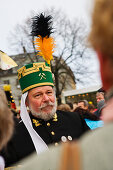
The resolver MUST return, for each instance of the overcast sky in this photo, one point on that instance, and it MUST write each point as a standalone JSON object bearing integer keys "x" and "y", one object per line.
{"x": 13, "y": 12}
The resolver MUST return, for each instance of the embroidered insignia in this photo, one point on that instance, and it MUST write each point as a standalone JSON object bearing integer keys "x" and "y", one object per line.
{"x": 36, "y": 122}
{"x": 42, "y": 75}
{"x": 55, "y": 118}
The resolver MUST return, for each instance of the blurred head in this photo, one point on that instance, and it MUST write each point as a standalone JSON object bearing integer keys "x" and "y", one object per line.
{"x": 83, "y": 104}
{"x": 91, "y": 108}
{"x": 99, "y": 96}
{"x": 6, "y": 121}
{"x": 75, "y": 105}
{"x": 64, "y": 107}
{"x": 42, "y": 102}
{"x": 101, "y": 38}
{"x": 70, "y": 105}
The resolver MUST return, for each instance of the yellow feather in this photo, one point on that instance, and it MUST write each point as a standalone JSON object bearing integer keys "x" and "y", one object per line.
{"x": 45, "y": 47}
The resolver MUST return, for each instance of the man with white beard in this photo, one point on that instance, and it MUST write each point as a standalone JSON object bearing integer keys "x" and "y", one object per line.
{"x": 46, "y": 108}
{"x": 41, "y": 124}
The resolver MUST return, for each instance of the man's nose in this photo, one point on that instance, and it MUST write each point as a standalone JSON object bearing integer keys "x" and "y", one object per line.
{"x": 45, "y": 97}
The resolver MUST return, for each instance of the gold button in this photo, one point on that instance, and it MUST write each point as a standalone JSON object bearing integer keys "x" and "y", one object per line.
{"x": 48, "y": 124}
{"x": 56, "y": 144}
{"x": 53, "y": 133}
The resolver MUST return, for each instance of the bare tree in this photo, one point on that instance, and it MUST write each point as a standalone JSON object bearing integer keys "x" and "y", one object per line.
{"x": 70, "y": 37}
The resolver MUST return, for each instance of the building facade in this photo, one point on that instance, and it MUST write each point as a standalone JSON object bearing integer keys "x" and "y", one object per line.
{"x": 10, "y": 76}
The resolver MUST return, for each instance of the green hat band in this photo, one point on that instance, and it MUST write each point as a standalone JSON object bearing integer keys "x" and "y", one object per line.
{"x": 34, "y": 75}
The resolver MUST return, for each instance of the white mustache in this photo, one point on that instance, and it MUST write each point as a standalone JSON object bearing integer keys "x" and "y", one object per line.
{"x": 46, "y": 104}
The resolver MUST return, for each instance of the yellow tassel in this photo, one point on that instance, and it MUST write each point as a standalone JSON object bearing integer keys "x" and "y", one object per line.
{"x": 45, "y": 47}
{"x": 7, "y": 87}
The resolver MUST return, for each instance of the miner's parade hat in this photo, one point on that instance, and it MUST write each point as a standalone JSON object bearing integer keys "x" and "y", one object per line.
{"x": 39, "y": 73}
{"x": 34, "y": 75}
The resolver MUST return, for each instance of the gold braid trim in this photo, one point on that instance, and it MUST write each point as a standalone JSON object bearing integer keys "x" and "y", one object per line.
{"x": 23, "y": 71}
{"x": 37, "y": 85}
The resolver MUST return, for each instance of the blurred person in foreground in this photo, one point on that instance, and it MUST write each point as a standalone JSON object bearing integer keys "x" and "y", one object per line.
{"x": 94, "y": 151}
{"x": 6, "y": 125}
{"x": 42, "y": 125}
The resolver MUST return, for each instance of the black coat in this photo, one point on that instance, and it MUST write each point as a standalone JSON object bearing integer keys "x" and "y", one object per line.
{"x": 66, "y": 124}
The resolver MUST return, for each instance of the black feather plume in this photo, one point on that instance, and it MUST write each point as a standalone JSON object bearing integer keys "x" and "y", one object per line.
{"x": 42, "y": 26}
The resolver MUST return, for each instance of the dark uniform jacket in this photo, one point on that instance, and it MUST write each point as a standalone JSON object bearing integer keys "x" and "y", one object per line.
{"x": 64, "y": 125}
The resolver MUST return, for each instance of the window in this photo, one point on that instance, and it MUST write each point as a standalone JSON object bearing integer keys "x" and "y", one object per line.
{"x": 6, "y": 82}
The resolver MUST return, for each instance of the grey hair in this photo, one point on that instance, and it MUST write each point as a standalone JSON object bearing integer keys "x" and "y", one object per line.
{"x": 85, "y": 102}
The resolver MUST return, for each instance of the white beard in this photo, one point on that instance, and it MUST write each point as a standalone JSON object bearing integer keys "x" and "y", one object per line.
{"x": 43, "y": 115}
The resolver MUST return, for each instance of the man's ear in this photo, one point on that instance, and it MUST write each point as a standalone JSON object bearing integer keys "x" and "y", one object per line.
{"x": 26, "y": 102}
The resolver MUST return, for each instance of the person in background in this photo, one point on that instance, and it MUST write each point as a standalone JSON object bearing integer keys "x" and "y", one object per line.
{"x": 70, "y": 105}
{"x": 83, "y": 104}
{"x": 91, "y": 119}
{"x": 18, "y": 115}
{"x": 83, "y": 110}
{"x": 100, "y": 96}
{"x": 16, "y": 119}
{"x": 6, "y": 125}
{"x": 91, "y": 108}
{"x": 64, "y": 107}
{"x": 100, "y": 105}
{"x": 75, "y": 105}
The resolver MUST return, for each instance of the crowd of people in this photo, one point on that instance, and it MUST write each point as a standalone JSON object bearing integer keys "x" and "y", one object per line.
{"x": 51, "y": 137}
{"x": 87, "y": 111}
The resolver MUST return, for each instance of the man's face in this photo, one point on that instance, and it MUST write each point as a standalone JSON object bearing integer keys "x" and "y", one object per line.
{"x": 99, "y": 97}
{"x": 81, "y": 105}
{"x": 41, "y": 102}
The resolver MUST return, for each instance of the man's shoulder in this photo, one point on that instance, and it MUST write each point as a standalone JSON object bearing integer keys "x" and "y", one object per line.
{"x": 73, "y": 118}
{"x": 69, "y": 115}
{"x": 20, "y": 125}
